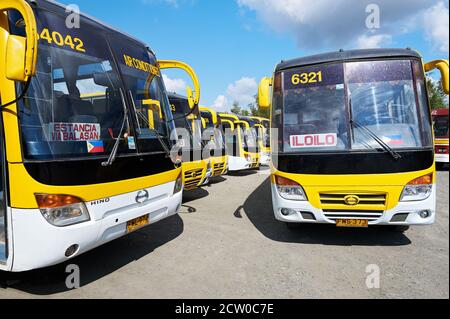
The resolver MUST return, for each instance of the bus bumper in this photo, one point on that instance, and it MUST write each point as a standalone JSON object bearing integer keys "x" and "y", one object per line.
{"x": 442, "y": 158}
{"x": 302, "y": 211}
{"x": 38, "y": 244}
{"x": 265, "y": 159}
{"x": 240, "y": 164}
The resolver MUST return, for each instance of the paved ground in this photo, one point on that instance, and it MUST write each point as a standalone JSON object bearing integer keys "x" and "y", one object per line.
{"x": 230, "y": 246}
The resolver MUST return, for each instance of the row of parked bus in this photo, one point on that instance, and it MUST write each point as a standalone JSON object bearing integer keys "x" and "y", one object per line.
{"x": 92, "y": 147}
{"x": 213, "y": 144}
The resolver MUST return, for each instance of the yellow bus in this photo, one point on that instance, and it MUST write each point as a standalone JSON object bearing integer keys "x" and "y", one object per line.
{"x": 213, "y": 131}
{"x": 263, "y": 139}
{"x": 196, "y": 168}
{"x": 354, "y": 141}
{"x": 241, "y": 143}
{"x": 77, "y": 174}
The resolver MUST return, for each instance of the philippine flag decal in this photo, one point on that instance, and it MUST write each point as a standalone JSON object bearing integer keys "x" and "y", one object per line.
{"x": 95, "y": 147}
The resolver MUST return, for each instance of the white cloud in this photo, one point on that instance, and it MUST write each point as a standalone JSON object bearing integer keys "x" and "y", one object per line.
{"x": 221, "y": 104}
{"x": 373, "y": 41}
{"x": 243, "y": 91}
{"x": 175, "y": 85}
{"x": 436, "y": 22}
{"x": 339, "y": 23}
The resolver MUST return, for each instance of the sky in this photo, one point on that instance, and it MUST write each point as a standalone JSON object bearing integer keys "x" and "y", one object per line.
{"x": 232, "y": 44}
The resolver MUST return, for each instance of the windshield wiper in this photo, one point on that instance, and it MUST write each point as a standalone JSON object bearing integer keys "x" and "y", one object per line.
{"x": 113, "y": 155}
{"x": 158, "y": 135}
{"x": 385, "y": 146}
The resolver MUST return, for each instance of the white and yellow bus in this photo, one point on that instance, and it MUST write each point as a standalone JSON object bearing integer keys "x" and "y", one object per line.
{"x": 196, "y": 167}
{"x": 352, "y": 139}
{"x": 213, "y": 132}
{"x": 263, "y": 125}
{"x": 241, "y": 143}
{"x": 75, "y": 173}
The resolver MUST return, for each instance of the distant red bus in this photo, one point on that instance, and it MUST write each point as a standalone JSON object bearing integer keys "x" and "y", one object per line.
{"x": 441, "y": 133}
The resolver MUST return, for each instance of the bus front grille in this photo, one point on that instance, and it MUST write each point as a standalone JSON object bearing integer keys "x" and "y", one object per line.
{"x": 193, "y": 178}
{"x": 354, "y": 201}
{"x": 218, "y": 169}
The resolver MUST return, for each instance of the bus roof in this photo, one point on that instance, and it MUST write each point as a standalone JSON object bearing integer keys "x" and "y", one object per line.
{"x": 56, "y": 7}
{"x": 229, "y": 116}
{"x": 173, "y": 95}
{"x": 347, "y": 55}
{"x": 441, "y": 112}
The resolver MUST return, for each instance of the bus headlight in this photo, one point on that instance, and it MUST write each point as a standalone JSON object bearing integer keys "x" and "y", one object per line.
{"x": 62, "y": 210}
{"x": 289, "y": 189}
{"x": 418, "y": 189}
{"x": 178, "y": 184}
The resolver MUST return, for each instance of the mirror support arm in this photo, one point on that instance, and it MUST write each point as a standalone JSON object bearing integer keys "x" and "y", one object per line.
{"x": 172, "y": 64}
{"x": 443, "y": 67}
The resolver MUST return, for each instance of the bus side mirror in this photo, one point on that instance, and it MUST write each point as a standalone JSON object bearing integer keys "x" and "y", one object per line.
{"x": 443, "y": 67}
{"x": 264, "y": 93}
{"x": 21, "y": 53}
{"x": 190, "y": 97}
{"x": 15, "y": 58}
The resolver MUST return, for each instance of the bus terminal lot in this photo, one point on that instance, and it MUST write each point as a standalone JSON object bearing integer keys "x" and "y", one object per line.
{"x": 227, "y": 244}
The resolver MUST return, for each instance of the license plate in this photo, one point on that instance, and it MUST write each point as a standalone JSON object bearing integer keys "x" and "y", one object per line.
{"x": 352, "y": 223}
{"x": 137, "y": 223}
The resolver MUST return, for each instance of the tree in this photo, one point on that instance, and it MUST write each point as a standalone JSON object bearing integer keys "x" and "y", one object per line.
{"x": 236, "y": 109}
{"x": 257, "y": 111}
{"x": 438, "y": 98}
{"x": 251, "y": 110}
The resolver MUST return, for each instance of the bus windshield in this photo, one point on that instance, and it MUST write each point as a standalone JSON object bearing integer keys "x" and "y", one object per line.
{"x": 186, "y": 120}
{"x": 441, "y": 125}
{"x": 266, "y": 133}
{"x": 75, "y": 106}
{"x": 386, "y": 97}
{"x": 249, "y": 139}
{"x": 213, "y": 132}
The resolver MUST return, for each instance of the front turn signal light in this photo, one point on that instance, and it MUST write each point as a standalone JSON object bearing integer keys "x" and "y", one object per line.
{"x": 423, "y": 180}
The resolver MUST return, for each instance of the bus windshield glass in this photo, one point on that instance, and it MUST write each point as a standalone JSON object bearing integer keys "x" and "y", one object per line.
{"x": 249, "y": 139}
{"x": 75, "y": 106}
{"x": 441, "y": 125}
{"x": 188, "y": 121}
{"x": 144, "y": 86}
{"x": 323, "y": 102}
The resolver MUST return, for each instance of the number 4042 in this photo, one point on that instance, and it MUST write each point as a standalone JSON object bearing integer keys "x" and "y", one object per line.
{"x": 60, "y": 40}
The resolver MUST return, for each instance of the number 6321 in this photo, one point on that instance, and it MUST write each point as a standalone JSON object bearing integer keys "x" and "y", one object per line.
{"x": 307, "y": 78}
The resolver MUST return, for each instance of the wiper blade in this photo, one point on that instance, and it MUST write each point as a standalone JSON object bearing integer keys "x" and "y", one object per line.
{"x": 158, "y": 135}
{"x": 113, "y": 155}
{"x": 385, "y": 146}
